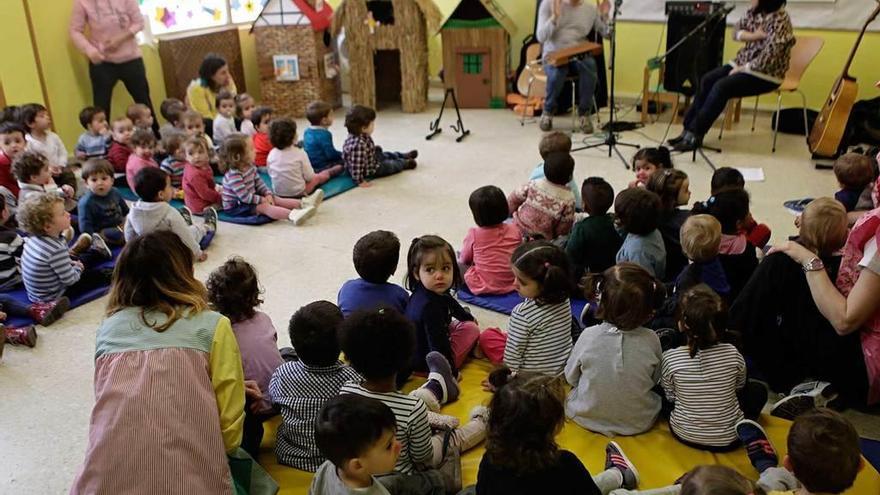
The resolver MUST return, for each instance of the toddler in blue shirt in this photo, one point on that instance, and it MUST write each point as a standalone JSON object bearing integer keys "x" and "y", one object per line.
{"x": 318, "y": 141}
{"x": 375, "y": 260}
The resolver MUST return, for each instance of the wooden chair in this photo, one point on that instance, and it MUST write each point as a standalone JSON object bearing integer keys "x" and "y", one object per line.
{"x": 803, "y": 53}
{"x": 658, "y": 95}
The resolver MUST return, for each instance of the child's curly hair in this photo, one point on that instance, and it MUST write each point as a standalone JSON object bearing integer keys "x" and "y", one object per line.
{"x": 27, "y": 165}
{"x": 36, "y": 212}
{"x": 234, "y": 290}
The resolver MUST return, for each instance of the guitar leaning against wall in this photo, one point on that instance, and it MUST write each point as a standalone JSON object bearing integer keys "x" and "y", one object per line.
{"x": 827, "y": 134}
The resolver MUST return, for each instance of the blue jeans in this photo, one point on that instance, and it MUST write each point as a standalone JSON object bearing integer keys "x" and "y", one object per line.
{"x": 587, "y": 75}
{"x": 390, "y": 163}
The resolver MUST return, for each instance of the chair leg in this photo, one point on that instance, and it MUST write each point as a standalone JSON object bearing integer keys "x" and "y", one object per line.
{"x": 574, "y": 107}
{"x": 724, "y": 117}
{"x": 755, "y": 112}
{"x": 806, "y": 120}
{"x": 522, "y": 119}
{"x": 596, "y": 112}
{"x": 776, "y": 124}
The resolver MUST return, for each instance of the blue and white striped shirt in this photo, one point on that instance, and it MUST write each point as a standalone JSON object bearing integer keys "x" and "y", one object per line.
{"x": 46, "y": 268}
{"x": 92, "y": 146}
{"x": 539, "y": 337}
{"x": 243, "y": 187}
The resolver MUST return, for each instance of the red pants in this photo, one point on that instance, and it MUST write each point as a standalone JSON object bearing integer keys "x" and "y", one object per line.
{"x": 492, "y": 342}
{"x": 463, "y": 336}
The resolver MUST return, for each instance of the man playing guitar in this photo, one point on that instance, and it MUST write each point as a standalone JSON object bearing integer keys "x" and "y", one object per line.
{"x": 562, "y": 24}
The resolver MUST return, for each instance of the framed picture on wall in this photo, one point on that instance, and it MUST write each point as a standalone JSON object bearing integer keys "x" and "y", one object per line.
{"x": 286, "y": 67}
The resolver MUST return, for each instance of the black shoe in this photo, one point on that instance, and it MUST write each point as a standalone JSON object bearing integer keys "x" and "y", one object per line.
{"x": 677, "y": 139}
{"x": 689, "y": 142}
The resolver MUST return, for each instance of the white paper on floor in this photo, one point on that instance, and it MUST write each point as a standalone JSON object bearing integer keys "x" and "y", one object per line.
{"x": 752, "y": 174}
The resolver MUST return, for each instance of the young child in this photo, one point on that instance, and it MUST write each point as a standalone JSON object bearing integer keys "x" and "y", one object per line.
{"x": 12, "y": 144}
{"x": 47, "y": 269}
{"x": 594, "y": 242}
{"x": 175, "y": 163}
{"x": 544, "y": 208}
{"x": 152, "y": 212}
{"x": 627, "y": 296}
{"x": 538, "y": 337}
{"x": 556, "y": 141}
{"x": 244, "y": 107}
{"x": 193, "y": 125}
{"x": 646, "y": 161}
{"x": 737, "y": 253}
{"x": 41, "y": 139}
{"x": 159, "y": 335}
{"x": 224, "y": 122}
{"x": 701, "y": 240}
{"x": 730, "y": 178}
{"x": 638, "y": 214}
{"x": 93, "y": 142}
{"x": 171, "y": 110}
{"x": 362, "y": 158}
{"x": 143, "y": 143}
{"x": 357, "y": 436}
{"x": 522, "y": 456}
{"x": 300, "y": 388}
{"x": 431, "y": 274}
{"x": 318, "y": 140}
{"x": 34, "y": 177}
{"x": 141, "y": 116}
{"x": 706, "y": 380}
{"x": 673, "y": 188}
{"x": 199, "y": 189}
{"x": 855, "y": 175}
{"x": 486, "y": 249}
{"x": 289, "y": 166}
{"x": 234, "y": 291}
{"x": 245, "y": 193}
{"x": 375, "y": 257}
{"x": 261, "y": 117}
{"x": 102, "y": 210}
{"x": 120, "y": 143}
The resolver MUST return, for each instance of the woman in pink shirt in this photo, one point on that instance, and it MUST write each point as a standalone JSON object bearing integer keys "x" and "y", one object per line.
{"x": 487, "y": 247}
{"x": 112, "y": 49}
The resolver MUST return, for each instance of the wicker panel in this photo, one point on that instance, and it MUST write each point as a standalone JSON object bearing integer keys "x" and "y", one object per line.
{"x": 182, "y": 56}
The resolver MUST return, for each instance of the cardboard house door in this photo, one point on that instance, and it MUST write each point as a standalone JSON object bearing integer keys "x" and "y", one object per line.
{"x": 474, "y": 82}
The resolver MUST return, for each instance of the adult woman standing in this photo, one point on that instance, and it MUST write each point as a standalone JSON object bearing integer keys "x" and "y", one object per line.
{"x": 112, "y": 49}
{"x": 214, "y": 76}
{"x": 759, "y": 68}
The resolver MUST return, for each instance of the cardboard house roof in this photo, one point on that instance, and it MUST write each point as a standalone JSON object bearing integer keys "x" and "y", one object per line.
{"x": 433, "y": 16}
{"x": 294, "y": 13}
{"x": 466, "y": 8}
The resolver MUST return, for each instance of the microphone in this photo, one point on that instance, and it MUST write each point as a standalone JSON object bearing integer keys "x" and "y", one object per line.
{"x": 726, "y": 9}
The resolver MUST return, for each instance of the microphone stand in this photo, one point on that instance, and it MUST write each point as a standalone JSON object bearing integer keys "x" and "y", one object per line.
{"x": 610, "y": 136}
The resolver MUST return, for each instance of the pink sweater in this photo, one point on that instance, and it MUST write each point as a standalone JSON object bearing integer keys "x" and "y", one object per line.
{"x": 106, "y": 20}
{"x": 488, "y": 250}
{"x": 134, "y": 165}
{"x": 542, "y": 207}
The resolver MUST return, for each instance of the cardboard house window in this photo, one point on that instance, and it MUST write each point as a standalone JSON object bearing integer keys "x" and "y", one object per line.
{"x": 382, "y": 10}
{"x": 473, "y": 63}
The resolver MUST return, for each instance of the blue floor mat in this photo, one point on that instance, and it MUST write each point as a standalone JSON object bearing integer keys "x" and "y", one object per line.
{"x": 505, "y": 303}
{"x": 871, "y": 451}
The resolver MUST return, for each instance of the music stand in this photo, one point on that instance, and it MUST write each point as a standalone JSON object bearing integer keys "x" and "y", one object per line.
{"x": 610, "y": 136}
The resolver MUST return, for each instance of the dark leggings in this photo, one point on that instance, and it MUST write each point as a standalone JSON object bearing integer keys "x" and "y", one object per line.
{"x": 716, "y": 88}
{"x": 133, "y": 75}
{"x": 91, "y": 277}
{"x": 252, "y": 434}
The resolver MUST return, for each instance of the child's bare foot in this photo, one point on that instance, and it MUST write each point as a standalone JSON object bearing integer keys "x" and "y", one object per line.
{"x": 364, "y": 184}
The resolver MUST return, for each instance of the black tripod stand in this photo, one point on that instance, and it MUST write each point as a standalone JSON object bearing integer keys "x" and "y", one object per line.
{"x": 610, "y": 136}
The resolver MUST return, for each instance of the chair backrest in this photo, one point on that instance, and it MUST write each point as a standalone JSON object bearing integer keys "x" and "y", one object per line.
{"x": 803, "y": 53}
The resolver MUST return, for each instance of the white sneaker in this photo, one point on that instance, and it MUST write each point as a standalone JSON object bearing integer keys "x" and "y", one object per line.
{"x": 313, "y": 199}
{"x": 301, "y": 215}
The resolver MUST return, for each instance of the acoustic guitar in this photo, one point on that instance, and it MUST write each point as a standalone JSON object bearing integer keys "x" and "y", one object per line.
{"x": 827, "y": 132}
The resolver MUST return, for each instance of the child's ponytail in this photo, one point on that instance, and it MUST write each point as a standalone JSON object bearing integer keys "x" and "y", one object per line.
{"x": 702, "y": 318}
{"x": 547, "y": 264}
{"x": 626, "y": 294}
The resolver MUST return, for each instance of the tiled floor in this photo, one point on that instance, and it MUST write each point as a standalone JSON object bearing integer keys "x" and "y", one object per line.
{"x": 46, "y": 392}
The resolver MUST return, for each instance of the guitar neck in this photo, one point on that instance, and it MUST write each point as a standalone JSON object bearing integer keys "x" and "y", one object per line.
{"x": 855, "y": 48}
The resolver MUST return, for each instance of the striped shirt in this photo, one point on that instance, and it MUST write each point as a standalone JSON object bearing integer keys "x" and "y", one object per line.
{"x": 46, "y": 268}
{"x": 413, "y": 430}
{"x": 11, "y": 246}
{"x": 243, "y": 187}
{"x": 300, "y": 391}
{"x": 703, "y": 389}
{"x": 538, "y": 337}
{"x": 174, "y": 168}
{"x": 92, "y": 146}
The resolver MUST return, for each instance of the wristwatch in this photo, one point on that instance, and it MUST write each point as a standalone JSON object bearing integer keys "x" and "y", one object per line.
{"x": 814, "y": 265}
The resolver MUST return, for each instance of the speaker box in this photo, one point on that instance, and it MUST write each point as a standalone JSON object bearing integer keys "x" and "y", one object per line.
{"x": 698, "y": 55}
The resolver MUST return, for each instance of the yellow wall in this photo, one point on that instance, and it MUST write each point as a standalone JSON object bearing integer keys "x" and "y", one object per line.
{"x": 18, "y": 68}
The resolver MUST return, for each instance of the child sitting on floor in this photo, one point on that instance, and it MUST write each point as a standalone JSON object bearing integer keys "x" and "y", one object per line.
{"x": 638, "y": 214}
{"x": 357, "y": 436}
{"x": 362, "y": 158}
{"x": 234, "y": 291}
{"x": 12, "y": 144}
{"x": 41, "y": 139}
{"x": 93, "y": 142}
{"x": 673, "y": 188}
{"x": 730, "y": 178}
{"x": 224, "y": 121}
{"x": 538, "y": 337}
{"x": 152, "y": 212}
{"x": 141, "y": 117}
{"x": 289, "y": 167}
{"x": 47, "y": 268}
{"x": 244, "y": 192}
{"x": 300, "y": 388}
{"x": 143, "y": 143}
{"x": 522, "y": 456}
{"x": 193, "y": 125}
{"x": 486, "y": 249}
{"x": 700, "y": 241}
{"x": 318, "y": 140}
{"x": 199, "y": 189}
{"x": 261, "y": 117}
{"x": 375, "y": 257}
{"x": 706, "y": 380}
{"x": 627, "y": 296}
{"x": 120, "y": 143}
{"x": 431, "y": 274}
{"x": 556, "y": 141}
{"x": 379, "y": 344}
{"x": 175, "y": 163}
{"x": 855, "y": 175}
{"x": 594, "y": 242}
{"x": 34, "y": 177}
{"x": 244, "y": 107}
{"x": 171, "y": 110}
{"x": 647, "y": 161}
{"x": 102, "y": 210}
{"x": 544, "y": 208}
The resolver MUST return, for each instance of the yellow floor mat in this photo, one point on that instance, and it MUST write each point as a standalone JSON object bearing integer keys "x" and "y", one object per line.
{"x": 659, "y": 458}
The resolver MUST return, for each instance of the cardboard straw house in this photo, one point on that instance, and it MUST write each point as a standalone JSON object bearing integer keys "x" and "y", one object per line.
{"x": 295, "y": 56}
{"x": 387, "y": 44}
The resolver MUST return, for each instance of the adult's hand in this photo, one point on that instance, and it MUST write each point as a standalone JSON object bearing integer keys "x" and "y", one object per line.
{"x": 556, "y": 10}
{"x": 95, "y": 56}
{"x": 795, "y": 251}
{"x": 604, "y": 8}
